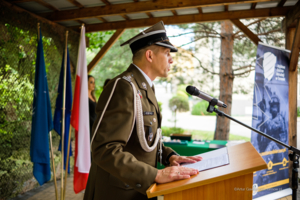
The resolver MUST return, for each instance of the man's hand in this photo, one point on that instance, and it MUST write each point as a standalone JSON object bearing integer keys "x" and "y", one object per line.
{"x": 170, "y": 174}
{"x": 176, "y": 160}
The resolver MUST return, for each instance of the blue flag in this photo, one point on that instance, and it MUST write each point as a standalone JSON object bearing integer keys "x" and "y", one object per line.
{"x": 41, "y": 120}
{"x": 68, "y": 106}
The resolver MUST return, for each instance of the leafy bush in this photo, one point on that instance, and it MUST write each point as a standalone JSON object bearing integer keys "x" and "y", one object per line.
{"x": 160, "y": 105}
{"x": 182, "y": 88}
{"x": 200, "y": 109}
{"x": 182, "y": 94}
{"x": 181, "y": 103}
{"x": 298, "y": 111}
{"x": 167, "y": 131}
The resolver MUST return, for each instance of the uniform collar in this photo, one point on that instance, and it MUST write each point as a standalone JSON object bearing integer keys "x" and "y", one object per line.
{"x": 145, "y": 75}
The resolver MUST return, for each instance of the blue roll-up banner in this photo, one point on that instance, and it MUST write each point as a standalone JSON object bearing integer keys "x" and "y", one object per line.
{"x": 270, "y": 115}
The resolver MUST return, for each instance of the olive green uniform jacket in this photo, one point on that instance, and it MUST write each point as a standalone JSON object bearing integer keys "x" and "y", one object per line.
{"x": 120, "y": 168}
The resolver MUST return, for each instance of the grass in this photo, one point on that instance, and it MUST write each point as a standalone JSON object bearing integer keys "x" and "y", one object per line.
{"x": 209, "y": 135}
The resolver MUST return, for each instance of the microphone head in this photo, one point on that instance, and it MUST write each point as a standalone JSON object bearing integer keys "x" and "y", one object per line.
{"x": 191, "y": 90}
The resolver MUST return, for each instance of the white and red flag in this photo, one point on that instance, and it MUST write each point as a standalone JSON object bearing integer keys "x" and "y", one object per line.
{"x": 80, "y": 120}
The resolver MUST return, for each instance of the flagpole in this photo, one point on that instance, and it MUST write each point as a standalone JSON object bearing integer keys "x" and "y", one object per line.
{"x": 63, "y": 121}
{"x": 53, "y": 166}
{"x": 38, "y": 26}
{"x": 69, "y": 143}
{"x": 68, "y": 155}
{"x": 50, "y": 136}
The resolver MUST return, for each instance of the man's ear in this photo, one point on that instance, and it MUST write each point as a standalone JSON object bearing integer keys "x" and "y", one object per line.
{"x": 149, "y": 55}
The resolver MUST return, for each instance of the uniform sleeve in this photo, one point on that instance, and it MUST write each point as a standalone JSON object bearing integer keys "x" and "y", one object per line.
{"x": 113, "y": 134}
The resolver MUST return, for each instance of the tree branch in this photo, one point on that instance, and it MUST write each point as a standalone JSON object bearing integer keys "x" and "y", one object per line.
{"x": 240, "y": 68}
{"x": 250, "y": 25}
{"x": 245, "y": 72}
{"x": 265, "y": 33}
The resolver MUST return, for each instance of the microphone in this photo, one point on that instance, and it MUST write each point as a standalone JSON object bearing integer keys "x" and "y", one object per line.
{"x": 202, "y": 95}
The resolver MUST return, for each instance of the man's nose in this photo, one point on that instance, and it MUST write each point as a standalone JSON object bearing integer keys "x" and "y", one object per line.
{"x": 171, "y": 60}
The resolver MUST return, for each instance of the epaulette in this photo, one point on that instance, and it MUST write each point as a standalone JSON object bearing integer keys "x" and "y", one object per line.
{"x": 127, "y": 78}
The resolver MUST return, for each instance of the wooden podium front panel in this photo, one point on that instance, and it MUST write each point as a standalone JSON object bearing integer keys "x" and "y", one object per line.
{"x": 234, "y": 188}
{"x": 244, "y": 160}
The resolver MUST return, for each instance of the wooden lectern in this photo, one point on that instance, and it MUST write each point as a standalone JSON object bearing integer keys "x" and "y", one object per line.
{"x": 233, "y": 181}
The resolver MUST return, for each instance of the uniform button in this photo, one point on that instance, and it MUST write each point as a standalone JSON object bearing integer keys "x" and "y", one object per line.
{"x": 132, "y": 75}
{"x": 151, "y": 123}
{"x": 127, "y": 186}
{"x": 138, "y": 185}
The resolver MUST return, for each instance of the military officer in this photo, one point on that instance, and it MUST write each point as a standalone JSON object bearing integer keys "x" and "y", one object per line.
{"x": 126, "y": 147}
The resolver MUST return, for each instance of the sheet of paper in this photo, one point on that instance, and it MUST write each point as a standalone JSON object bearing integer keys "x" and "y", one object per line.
{"x": 210, "y": 160}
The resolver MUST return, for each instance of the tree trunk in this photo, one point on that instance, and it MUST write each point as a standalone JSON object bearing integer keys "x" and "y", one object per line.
{"x": 226, "y": 80}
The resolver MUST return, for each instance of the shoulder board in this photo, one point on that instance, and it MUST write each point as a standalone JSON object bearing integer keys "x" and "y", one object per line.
{"x": 127, "y": 78}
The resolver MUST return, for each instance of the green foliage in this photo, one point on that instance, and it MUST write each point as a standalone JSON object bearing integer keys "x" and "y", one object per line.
{"x": 160, "y": 105}
{"x": 298, "y": 111}
{"x": 200, "y": 109}
{"x": 181, "y": 104}
{"x": 182, "y": 94}
{"x": 98, "y": 39}
{"x": 17, "y": 58}
{"x": 182, "y": 89}
{"x": 167, "y": 131}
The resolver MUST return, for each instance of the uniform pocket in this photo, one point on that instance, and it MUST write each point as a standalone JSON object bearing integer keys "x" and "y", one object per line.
{"x": 150, "y": 127}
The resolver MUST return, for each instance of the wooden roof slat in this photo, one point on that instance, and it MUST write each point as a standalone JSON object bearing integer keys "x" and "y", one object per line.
{"x": 149, "y": 14}
{"x": 182, "y": 19}
{"x": 174, "y": 12}
{"x": 102, "y": 19}
{"x": 76, "y": 3}
{"x": 125, "y": 17}
{"x": 135, "y": 7}
{"x": 47, "y": 5}
{"x": 255, "y": 39}
{"x": 200, "y": 10}
{"x": 106, "y": 2}
{"x": 253, "y": 5}
{"x": 226, "y": 8}
{"x": 281, "y": 3}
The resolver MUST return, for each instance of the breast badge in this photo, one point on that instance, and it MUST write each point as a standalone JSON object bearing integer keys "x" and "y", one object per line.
{"x": 144, "y": 85}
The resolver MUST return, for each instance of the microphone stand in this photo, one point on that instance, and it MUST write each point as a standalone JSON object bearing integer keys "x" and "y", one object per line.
{"x": 294, "y": 157}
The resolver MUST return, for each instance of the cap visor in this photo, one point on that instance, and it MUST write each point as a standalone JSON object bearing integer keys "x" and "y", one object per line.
{"x": 167, "y": 44}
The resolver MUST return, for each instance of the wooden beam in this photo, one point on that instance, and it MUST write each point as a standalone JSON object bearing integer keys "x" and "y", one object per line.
{"x": 174, "y": 12}
{"x": 293, "y": 93}
{"x": 125, "y": 17}
{"x": 255, "y": 39}
{"x": 102, "y": 19}
{"x": 183, "y": 19}
{"x": 261, "y": 19}
{"x": 104, "y": 49}
{"x": 226, "y": 8}
{"x": 291, "y": 17}
{"x": 281, "y": 3}
{"x": 295, "y": 49}
{"x": 76, "y": 3}
{"x": 135, "y": 7}
{"x": 106, "y": 2}
{"x": 19, "y": 1}
{"x": 253, "y": 6}
{"x": 149, "y": 14}
{"x": 200, "y": 10}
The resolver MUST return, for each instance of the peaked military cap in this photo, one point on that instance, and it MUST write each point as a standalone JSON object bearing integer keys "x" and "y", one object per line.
{"x": 156, "y": 34}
